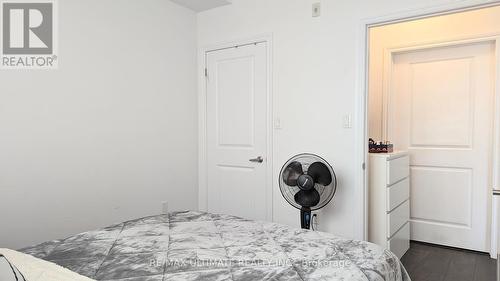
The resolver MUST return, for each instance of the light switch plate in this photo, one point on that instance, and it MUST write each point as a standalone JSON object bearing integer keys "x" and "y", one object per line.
{"x": 347, "y": 121}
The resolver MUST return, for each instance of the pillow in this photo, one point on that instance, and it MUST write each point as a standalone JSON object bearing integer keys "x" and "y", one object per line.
{"x": 33, "y": 269}
{"x": 9, "y": 272}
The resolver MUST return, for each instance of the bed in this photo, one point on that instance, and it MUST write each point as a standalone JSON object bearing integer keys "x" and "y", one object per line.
{"x": 195, "y": 245}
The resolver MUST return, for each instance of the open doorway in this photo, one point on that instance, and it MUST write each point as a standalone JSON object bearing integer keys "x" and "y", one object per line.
{"x": 433, "y": 94}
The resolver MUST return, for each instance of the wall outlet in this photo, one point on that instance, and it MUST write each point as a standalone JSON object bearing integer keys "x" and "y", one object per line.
{"x": 316, "y": 10}
{"x": 164, "y": 207}
{"x": 315, "y": 222}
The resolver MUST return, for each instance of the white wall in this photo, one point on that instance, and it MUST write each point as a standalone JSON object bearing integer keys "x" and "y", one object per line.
{"x": 111, "y": 133}
{"x": 459, "y": 26}
{"x": 314, "y": 80}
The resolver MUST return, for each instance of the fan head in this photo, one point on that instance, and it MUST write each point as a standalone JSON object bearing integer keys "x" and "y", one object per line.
{"x": 307, "y": 181}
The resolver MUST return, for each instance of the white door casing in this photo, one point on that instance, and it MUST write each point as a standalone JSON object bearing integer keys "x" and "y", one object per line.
{"x": 440, "y": 109}
{"x": 237, "y": 131}
{"x": 362, "y": 92}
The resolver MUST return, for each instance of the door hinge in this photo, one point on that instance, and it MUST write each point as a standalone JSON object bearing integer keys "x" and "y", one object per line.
{"x": 363, "y": 166}
{"x": 206, "y": 72}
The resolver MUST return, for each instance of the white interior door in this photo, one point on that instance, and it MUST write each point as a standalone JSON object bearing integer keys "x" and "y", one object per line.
{"x": 441, "y": 110}
{"x": 237, "y": 105}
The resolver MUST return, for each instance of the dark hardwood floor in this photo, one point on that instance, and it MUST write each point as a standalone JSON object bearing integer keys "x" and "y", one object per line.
{"x": 426, "y": 262}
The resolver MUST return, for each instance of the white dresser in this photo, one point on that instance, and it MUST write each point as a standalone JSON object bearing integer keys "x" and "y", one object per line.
{"x": 389, "y": 193}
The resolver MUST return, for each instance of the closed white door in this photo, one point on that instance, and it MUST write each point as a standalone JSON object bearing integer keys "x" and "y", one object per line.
{"x": 237, "y": 104}
{"x": 441, "y": 110}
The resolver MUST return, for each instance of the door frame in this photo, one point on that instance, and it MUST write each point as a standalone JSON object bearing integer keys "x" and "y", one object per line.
{"x": 494, "y": 38}
{"x": 202, "y": 119}
{"x": 362, "y": 91}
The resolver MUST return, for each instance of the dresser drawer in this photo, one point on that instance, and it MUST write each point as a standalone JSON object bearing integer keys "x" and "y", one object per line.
{"x": 397, "y": 218}
{"x": 397, "y": 194}
{"x": 400, "y": 242}
{"x": 398, "y": 169}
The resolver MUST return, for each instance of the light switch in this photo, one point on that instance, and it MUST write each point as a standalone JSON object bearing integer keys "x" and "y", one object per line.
{"x": 348, "y": 121}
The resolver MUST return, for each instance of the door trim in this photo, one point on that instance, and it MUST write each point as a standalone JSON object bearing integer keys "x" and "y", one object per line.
{"x": 361, "y": 90}
{"x": 494, "y": 38}
{"x": 495, "y": 208}
{"x": 202, "y": 120}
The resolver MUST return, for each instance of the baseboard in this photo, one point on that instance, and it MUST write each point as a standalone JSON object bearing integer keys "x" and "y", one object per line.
{"x": 498, "y": 267}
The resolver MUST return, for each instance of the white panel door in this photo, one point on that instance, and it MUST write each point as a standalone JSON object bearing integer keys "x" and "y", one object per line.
{"x": 237, "y": 98}
{"x": 441, "y": 110}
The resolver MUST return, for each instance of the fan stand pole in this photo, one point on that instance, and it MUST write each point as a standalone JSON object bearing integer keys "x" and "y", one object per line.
{"x": 305, "y": 218}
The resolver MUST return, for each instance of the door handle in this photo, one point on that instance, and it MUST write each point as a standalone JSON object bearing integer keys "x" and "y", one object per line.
{"x": 257, "y": 160}
{"x": 496, "y": 192}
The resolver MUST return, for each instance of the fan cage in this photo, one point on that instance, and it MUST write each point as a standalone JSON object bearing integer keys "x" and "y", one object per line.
{"x": 326, "y": 192}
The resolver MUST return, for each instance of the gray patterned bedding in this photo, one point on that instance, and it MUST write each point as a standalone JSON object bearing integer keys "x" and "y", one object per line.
{"x": 202, "y": 246}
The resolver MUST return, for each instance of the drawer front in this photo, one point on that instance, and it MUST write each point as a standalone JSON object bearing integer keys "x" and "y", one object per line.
{"x": 400, "y": 242}
{"x": 397, "y": 218}
{"x": 398, "y": 169}
{"x": 397, "y": 194}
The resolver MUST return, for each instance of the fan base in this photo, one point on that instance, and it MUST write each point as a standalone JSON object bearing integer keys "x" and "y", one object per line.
{"x": 305, "y": 218}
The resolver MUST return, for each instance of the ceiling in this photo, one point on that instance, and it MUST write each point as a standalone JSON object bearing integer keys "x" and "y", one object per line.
{"x": 202, "y": 5}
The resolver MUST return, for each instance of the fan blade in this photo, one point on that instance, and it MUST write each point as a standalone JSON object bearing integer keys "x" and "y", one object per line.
{"x": 320, "y": 173}
{"x": 292, "y": 172}
{"x": 309, "y": 198}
